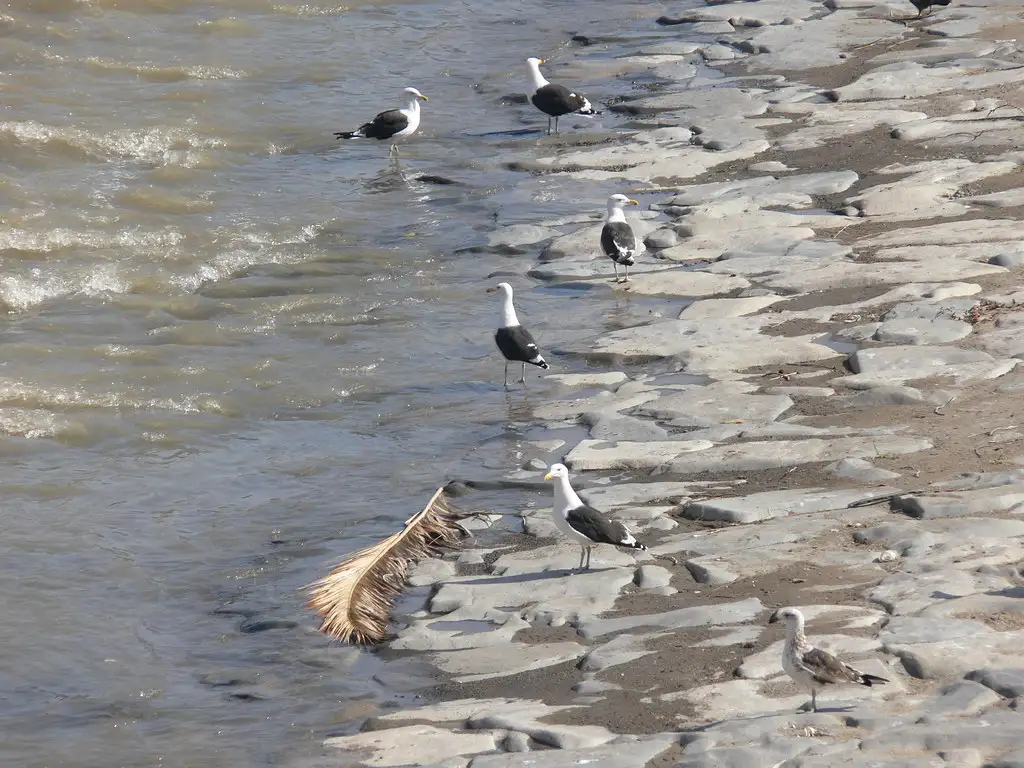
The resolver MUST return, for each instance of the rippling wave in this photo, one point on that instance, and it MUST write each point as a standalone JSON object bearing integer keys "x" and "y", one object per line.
{"x": 173, "y": 146}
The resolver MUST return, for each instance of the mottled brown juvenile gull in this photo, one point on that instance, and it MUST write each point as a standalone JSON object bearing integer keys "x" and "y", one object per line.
{"x": 813, "y": 667}
{"x": 584, "y": 524}
{"x": 515, "y": 342}
{"x": 617, "y": 239}
{"x": 392, "y": 126}
{"x": 555, "y": 100}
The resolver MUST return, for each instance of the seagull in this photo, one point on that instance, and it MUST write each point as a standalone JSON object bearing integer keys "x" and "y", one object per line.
{"x": 392, "y": 126}
{"x": 813, "y": 667}
{"x": 581, "y": 523}
{"x": 926, "y": 5}
{"x": 515, "y": 342}
{"x": 617, "y": 238}
{"x": 555, "y": 100}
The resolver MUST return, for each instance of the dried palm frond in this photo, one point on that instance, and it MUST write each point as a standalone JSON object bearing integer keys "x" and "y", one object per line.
{"x": 355, "y": 598}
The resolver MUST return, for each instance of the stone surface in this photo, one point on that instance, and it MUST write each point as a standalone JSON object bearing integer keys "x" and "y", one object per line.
{"x": 615, "y": 427}
{"x": 626, "y": 494}
{"x": 1005, "y": 682}
{"x": 702, "y": 407}
{"x": 468, "y": 665}
{"x": 697, "y": 616}
{"x": 983, "y": 501}
{"x": 744, "y": 457}
{"x": 626, "y": 752}
{"x": 411, "y": 745}
{"x": 909, "y": 331}
{"x": 709, "y": 345}
{"x": 769, "y": 504}
{"x": 905, "y": 363}
{"x": 601, "y": 454}
{"x": 861, "y": 470}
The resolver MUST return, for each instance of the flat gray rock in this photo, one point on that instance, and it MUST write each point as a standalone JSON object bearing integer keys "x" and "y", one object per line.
{"x": 998, "y": 731}
{"x": 661, "y": 238}
{"x": 617, "y": 427}
{"x": 697, "y": 616}
{"x": 894, "y": 395}
{"x": 911, "y": 331}
{"x": 706, "y": 572}
{"x": 910, "y": 79}
{"x": 628, "y": 494}
{"x": 472, "y": 664}
{"x": 768, "y": 190}
{"x": 526, "y": 720}
{"x": 412, "y": 745}
{"x": 743, "y": 457}
{"x": 983, "y": 501}
{"x": 621, "y": 649}
{"x": 1005, "y": 682}
{"x": 516, "y": 238}
{"x": 964, "y": 697}
{"x": 626, "y": 752}
{"x": 860, "y": 470}
{"x": 771, "y": 504}
{"x": 624, "y": 454}
{"x": 701, "y": 407}
{"x": 709, "y": 345}
{"x": 904, "y": 363}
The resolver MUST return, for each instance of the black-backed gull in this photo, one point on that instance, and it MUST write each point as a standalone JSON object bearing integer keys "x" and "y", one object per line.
{"x": 617, "y": 238}
{"x": 515, "y": 342}
{"x": 392, "y": 126}
{"x": 582, "y": 523}
{"x": 555, "y": 100}
{"x": 926, "y": 5}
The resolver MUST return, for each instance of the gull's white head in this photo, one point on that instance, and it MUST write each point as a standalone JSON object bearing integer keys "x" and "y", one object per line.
{"x": 620, "y": 201}
{"x": 559, "y": 471}
{"x": 534, "y": 62}
{"x": 505, "y": 288}
{"x": 415, "y": 94}
{"x": 791, "y": 617}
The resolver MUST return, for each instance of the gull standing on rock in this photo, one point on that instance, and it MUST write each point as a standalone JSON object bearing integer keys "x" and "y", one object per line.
{"x": 813, "y": 667}
{"x": 926, "y": 5}
{"x": 584, "y": 524}
{"x": 392, "y": 126}
{"x": 617, "y": 238}
{"x": 514, "y": 341}
{"x": 555, "y": 100}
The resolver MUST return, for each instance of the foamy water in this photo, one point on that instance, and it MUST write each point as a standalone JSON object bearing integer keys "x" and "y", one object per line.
{"x": 235, "y": 349}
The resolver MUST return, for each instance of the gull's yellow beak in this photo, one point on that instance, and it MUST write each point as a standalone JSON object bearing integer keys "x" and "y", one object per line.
{"x": 548, "y": 476}
{"x": 633, "y": 202}
{"x": 492, "y": 289}
{"x": 424, "y": 97}
{"x": 540, "y": 61}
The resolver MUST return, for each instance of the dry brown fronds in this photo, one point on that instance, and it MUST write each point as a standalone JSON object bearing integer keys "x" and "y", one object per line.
{"x": 355, "y": 598}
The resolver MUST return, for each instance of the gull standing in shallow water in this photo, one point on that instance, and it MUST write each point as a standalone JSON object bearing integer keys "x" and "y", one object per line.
{"x": 584, "y": 524}
{"x": 391, "y": 126}
{"x": 515, "y": 342}
{"x": 813, "y": 667}
{"x": 617, "y": 238}
{"x": 555, "y": 100}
